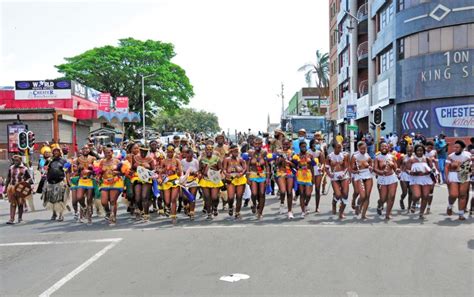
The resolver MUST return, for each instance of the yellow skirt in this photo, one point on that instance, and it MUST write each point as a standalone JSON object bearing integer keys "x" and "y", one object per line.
{"x": 134, "y": 178}
{"x": 171, "y": 183}
{"x": 204, "y": 183}
{"x": 115, "y": 184}
{"x": 284, "y": 173}
{"x": 304, "y": 177}
{"x": 85, "y": 183}
{"x": 238, "y": 181}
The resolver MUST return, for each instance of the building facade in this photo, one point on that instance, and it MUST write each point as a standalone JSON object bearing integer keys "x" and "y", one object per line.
{"x": 333, "y": 60}
{"x": 309, "y": 102}
{"x": 413, "y": 59}
{"x": 59, "y": 111}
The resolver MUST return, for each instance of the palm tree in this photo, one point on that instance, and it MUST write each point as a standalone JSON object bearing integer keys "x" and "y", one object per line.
{"x": 321, "y": 71}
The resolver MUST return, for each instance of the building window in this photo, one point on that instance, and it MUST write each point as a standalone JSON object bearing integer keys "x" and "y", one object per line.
{"x": 405, "y": 4}
{"x": 386, "y": 16}
{"x": 460, "y": 37}
{"x": 386, "y": 60}
{"x": 401, "y": 5}
{"x": 434, "y": 40}
{"x": 423, "y": 43}
{"x": 401, "y": 49}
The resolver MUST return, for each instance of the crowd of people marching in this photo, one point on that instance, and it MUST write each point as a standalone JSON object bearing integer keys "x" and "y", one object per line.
{"x": 169, "y": 178}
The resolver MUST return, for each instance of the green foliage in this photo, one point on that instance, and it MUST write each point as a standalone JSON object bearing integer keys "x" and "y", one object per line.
{"x": 187, "y": 119}
{"x": 320, "y": 69}
{"x": 118, "y": 70}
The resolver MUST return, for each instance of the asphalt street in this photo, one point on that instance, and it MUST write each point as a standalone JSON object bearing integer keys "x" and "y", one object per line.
{"x": 316, "y": 256}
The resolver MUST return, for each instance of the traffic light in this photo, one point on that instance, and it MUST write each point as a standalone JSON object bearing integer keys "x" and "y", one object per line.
{"x": 382, "y": 126}
{"x": 372, "y": 125}
{"x": 22, "y": 140}
{"x": 31, "y": 139}
{"x": 378, "y": 116}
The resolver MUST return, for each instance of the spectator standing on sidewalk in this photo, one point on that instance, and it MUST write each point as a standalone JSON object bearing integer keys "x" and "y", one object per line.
{"x": 441, "y": 147}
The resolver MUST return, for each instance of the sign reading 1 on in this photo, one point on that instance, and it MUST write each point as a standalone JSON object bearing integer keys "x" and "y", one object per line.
{"x": 457, "y": 64}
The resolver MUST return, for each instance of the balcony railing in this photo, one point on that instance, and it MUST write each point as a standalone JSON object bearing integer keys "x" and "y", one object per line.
{"x": 363, "y": 50}
{"x": 362, "y": 12}
{"x": 363, "y": 88}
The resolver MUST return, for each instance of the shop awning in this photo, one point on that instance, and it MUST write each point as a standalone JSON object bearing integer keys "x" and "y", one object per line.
{"x": 106, "y": 117}
{"x": 118, "y": 117}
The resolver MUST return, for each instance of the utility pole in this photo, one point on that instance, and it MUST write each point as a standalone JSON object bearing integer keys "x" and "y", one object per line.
{"x": 143, "y": 105}
{"x": 282, "y": 95}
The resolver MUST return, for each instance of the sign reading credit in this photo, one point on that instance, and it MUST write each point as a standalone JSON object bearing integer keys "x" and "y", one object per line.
{"x": 42, "y": 89}
{"x": 457, "y": 116}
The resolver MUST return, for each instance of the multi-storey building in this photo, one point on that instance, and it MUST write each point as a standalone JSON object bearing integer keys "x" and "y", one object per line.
{"x": 414, "y": 58}
{"x": 333, "y": 66}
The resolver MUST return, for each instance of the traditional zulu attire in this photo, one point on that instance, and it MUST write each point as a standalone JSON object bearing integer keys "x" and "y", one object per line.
{"x": 16, "y": 176}
{"x": 54, "y": 189}
{"x": 461, "y": 175}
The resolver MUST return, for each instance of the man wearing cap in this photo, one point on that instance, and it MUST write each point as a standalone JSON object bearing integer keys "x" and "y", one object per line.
{"x": 277, "y": 144}
{"x": 17, "y": 174}
{"x": 54, "y": 189}
{"x": 301, "y": 138}
{"x": 44, "y": 158}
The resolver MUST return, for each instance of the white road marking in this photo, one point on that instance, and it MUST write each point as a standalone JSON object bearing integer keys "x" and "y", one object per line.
{"x": 352, "y": 294}
{"x": 60, "y": 242}
{"x": 123, "y": 230}
{"x": 234, "y": 277}
{"x": 81, "y": 268}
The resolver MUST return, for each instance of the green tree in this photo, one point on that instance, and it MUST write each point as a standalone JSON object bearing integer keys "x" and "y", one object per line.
{"x": 320, "y": 69}
{"x": 118, "y": 70}
{"x": 187, "y": 119}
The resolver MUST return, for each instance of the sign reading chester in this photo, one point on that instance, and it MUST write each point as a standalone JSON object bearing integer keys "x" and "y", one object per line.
{"x": 460, "y": 116}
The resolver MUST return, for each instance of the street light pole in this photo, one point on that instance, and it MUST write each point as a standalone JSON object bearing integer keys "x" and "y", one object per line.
{"x": 143, "y": 104}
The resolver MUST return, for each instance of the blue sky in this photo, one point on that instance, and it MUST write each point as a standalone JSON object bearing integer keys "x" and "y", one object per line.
{"x": 236, "y": 53}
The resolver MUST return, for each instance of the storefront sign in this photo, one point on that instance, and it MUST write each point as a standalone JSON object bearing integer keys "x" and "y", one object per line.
{"x": 104, "y": 102}
{"x": 13, "y": 130}
{"x": 453, "y": 117}
{"x": 439, "y": 75}
{"x": 93, "y": 95}
{"x": 79, "y": 90}
{"x": 382, "y": 90}
{"x": 42, "y": 89}
{"x": 457, "y": 63}
{"x": 351, "y": 111}
{"x": 458, "y": 116}
{"x": 121, "y": 104}
{"x": 84, "y": 92}
{"x": 362, "y": 107}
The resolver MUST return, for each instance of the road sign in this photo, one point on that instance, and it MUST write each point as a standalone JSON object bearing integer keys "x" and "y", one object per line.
{"x": 353, "y": 127}
{"x": 13, "y": 130}
{"x": 351, "y": 111}
{"x": 378, "y": 116}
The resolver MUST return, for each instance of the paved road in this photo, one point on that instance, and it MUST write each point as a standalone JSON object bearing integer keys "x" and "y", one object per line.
{"x": 317, "y": 256}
